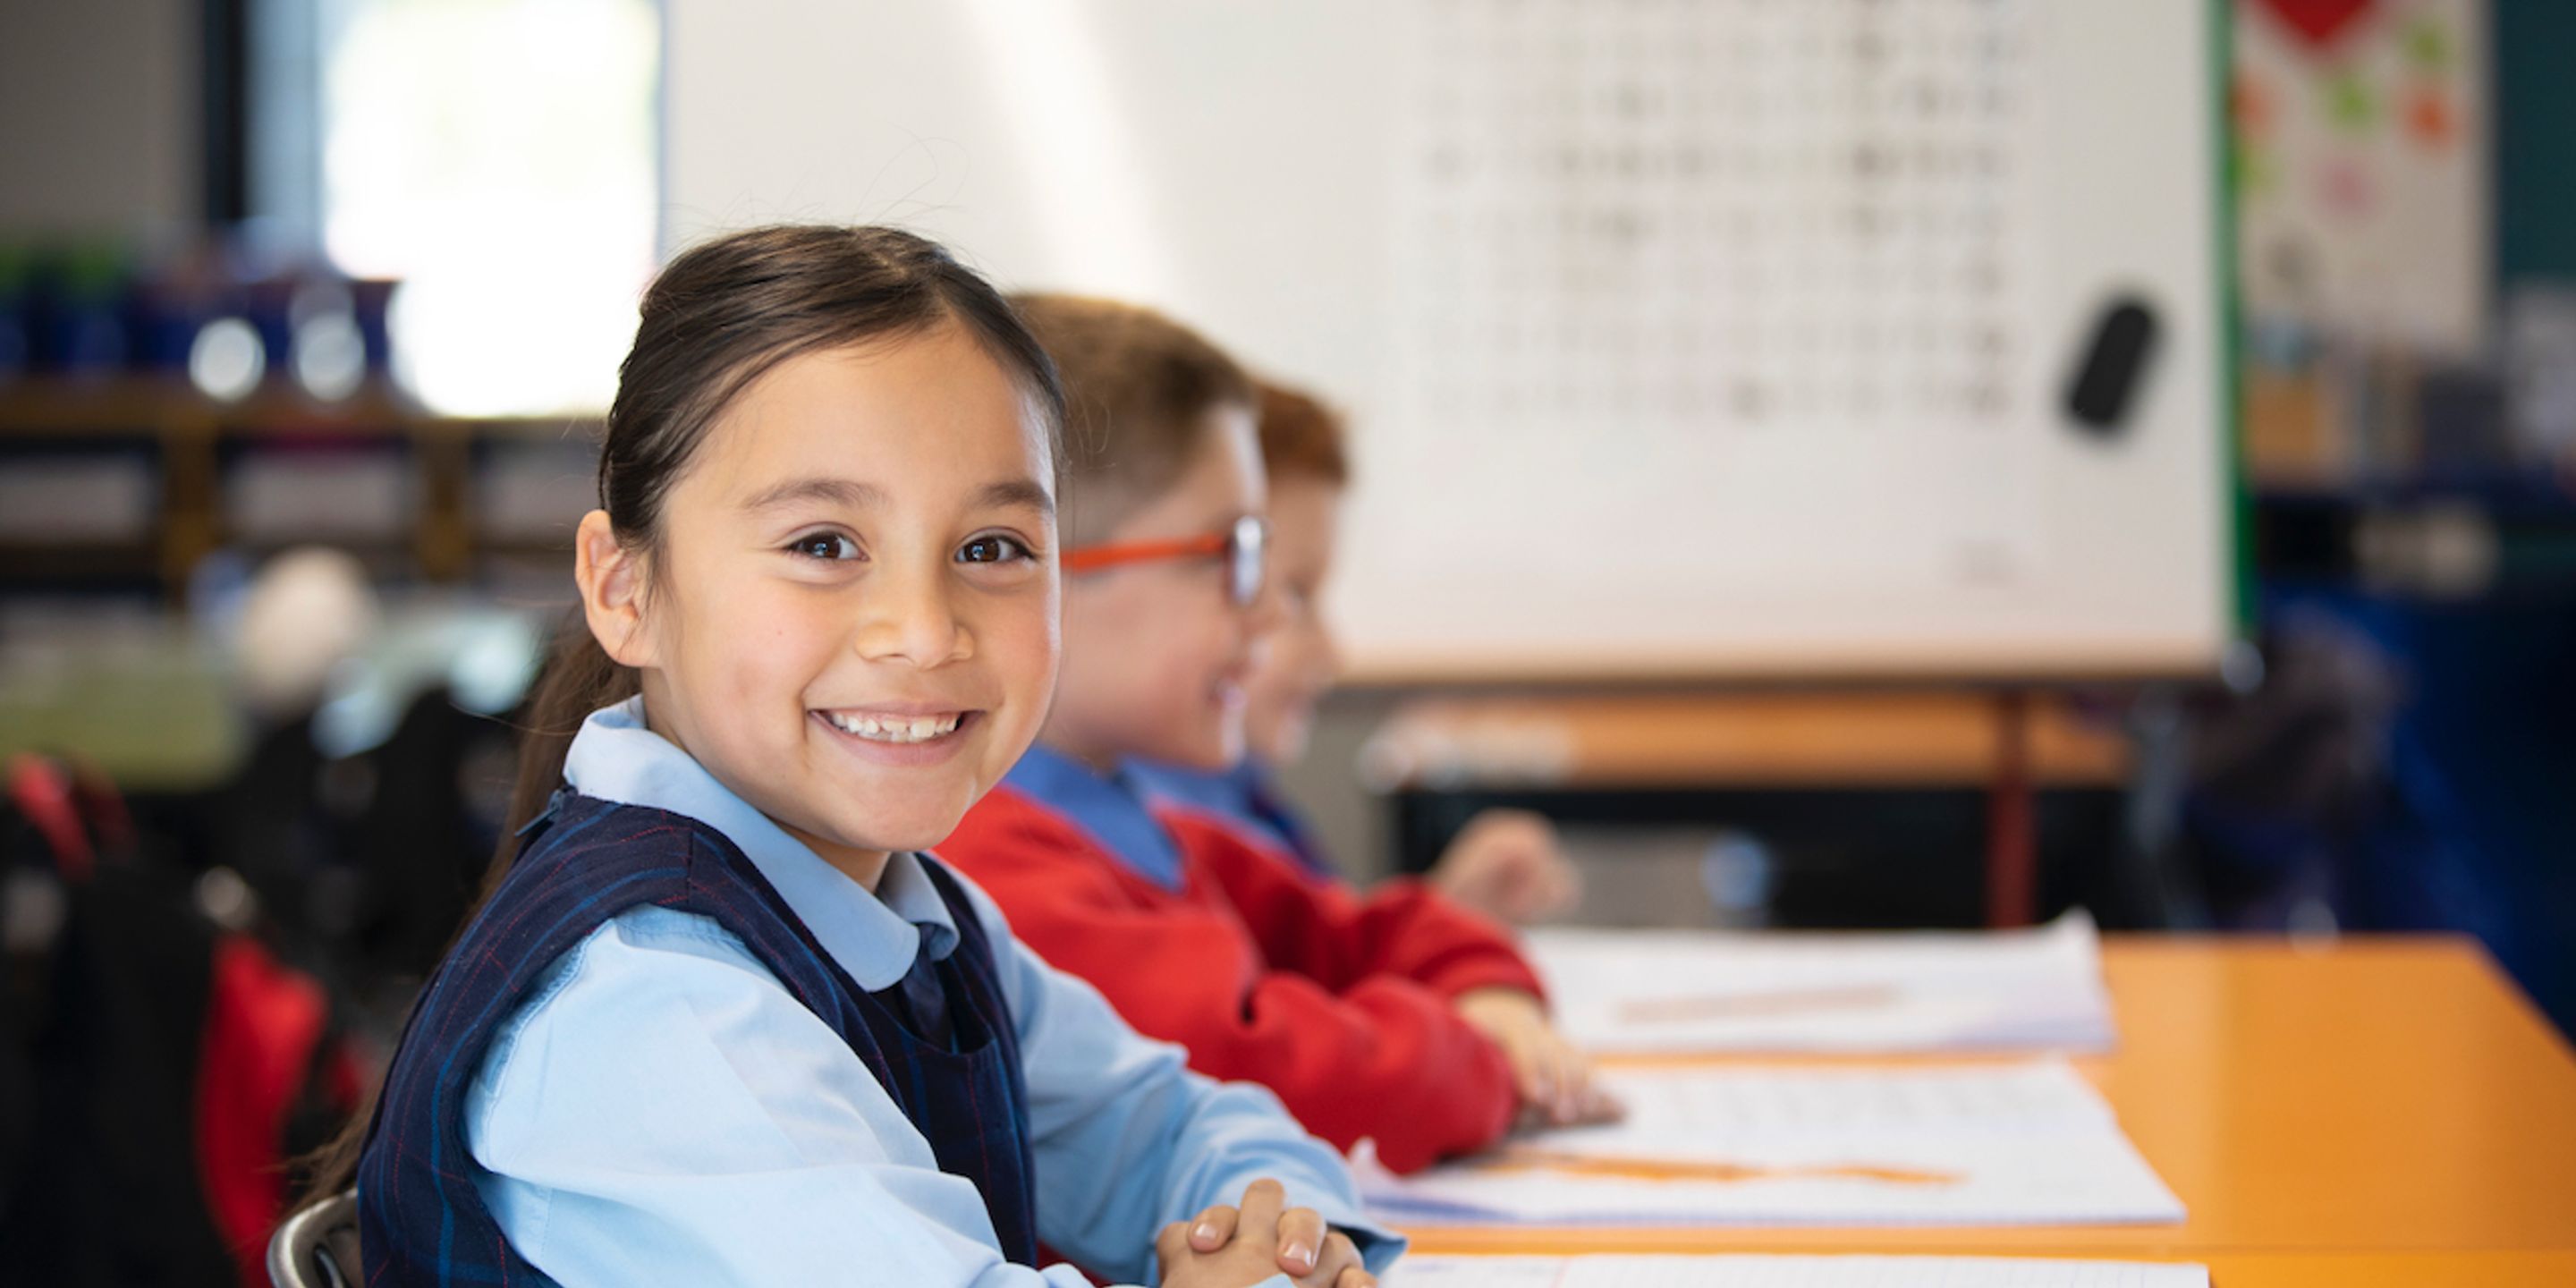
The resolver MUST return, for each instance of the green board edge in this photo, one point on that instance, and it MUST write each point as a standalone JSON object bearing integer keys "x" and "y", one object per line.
{"x": 2241, "y": 593}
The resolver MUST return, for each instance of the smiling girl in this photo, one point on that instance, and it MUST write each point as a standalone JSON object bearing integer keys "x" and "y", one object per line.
{"x": 719, "y": 1019}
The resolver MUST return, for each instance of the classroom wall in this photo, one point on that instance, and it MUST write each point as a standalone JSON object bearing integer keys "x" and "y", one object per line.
{"x": 98, "y": 114}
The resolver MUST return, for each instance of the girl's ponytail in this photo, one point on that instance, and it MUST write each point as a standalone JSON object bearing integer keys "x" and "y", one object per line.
{"x": 578, "y": 678}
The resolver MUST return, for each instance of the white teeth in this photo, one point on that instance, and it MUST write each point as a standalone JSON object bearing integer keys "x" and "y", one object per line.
{"x": 897, "y": 729}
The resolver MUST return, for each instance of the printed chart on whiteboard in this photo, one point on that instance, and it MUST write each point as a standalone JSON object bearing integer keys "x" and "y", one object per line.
{"x": 1752, "y": 336}
{"x": 1719, "y": 236}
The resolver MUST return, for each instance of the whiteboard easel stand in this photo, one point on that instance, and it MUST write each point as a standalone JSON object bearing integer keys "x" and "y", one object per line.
{"x": 2011, "y": 817}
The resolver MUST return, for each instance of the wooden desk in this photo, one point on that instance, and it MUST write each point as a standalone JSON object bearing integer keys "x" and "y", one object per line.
{"x": 1633, "y": 740}
{"x": 2382, "y": 1111}
{"x": 2008, "y": 744}
{"x": 2391, "y": 1270}
{"x": 2369, "y": 1270}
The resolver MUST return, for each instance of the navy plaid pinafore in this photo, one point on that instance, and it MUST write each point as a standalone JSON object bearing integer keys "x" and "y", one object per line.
{"x": 420, "y": 1218}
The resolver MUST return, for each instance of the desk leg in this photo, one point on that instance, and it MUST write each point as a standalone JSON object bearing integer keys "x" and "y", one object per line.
{"x": 2012, "y": 865}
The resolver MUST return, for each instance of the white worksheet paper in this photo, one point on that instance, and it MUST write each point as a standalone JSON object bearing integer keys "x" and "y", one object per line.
{"x": 2024, "y": 1143}
{"x": 1624, "y": 1271}
{"x": 1653, "y": 991}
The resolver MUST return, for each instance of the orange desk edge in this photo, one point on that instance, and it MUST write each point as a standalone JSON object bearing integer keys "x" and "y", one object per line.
{"x": 2382, "y": 1110}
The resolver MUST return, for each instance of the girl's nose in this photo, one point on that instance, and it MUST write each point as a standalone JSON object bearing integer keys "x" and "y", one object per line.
{"x": 907, "y": 617}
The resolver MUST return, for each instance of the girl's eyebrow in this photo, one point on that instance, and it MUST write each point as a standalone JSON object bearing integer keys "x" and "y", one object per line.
{"x": 847, "y": 493}
{"x": 1013, "y": 492}
{"x": 852, "y": 494}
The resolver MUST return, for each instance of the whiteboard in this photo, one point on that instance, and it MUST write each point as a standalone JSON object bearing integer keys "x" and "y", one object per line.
{"x": 1682, "y": 339}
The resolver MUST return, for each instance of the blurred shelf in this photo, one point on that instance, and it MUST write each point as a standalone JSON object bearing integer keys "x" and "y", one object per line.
{"x": 55, "y": 563}
{"x": 198, "y": 447}
{"x": 54, "y": 408}
{"x": 61, "y": 408}
{"x": 524, "y": 547}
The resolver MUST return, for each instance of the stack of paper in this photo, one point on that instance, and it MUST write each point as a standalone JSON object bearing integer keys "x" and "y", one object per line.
{"x": 1611, "y": 1271}
{"x": 1677, "y": 991}
{"x": 2016, "y": 1144}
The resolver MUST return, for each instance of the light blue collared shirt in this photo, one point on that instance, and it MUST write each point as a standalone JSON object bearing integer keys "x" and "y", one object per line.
{"x": 662, "y": 1110}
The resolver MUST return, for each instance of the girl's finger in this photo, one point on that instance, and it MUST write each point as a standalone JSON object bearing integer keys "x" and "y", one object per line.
{"x": 1263, "y": 1200}
{"x": 1213, "y": 1229}
{"x": 1301, "y": 1241}
{"x": 1340, "y": 1254}
{"x": 1355, "y": 1277}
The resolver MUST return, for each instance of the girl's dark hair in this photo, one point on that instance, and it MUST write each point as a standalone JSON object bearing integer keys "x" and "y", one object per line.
{"x": 718, "y": 317}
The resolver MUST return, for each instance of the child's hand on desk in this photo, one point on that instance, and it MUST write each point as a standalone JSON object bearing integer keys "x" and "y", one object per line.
{"x": 1225, "y": 1247}
{"x": 1555, "y": 1079}
{"x": 1506, "y": 865}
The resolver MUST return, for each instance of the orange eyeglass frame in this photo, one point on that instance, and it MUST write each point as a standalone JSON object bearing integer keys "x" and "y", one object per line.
{"x": 1243, "y": 546}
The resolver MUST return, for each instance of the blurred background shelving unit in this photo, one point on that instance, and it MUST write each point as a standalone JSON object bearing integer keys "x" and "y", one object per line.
{"x": 131, "y": 483}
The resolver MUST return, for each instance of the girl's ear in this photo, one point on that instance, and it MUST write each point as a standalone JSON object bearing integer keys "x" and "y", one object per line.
{"x": 611, "y": 578}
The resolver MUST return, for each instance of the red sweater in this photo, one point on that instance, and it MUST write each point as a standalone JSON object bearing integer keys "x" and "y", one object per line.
{"x": 1338, "y": 1002}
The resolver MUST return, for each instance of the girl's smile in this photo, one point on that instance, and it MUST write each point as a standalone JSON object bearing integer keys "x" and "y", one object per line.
{"x": 900, "y": 737}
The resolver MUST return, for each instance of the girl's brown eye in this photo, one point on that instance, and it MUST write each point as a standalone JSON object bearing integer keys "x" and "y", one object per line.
{"x": 824, "y": 545}
{"x": 992, "y": 549}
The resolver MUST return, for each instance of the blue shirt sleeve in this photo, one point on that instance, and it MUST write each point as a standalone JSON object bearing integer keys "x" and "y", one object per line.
{"x": 663, "y": 1111}
{"x": 1106, "y": 1102}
